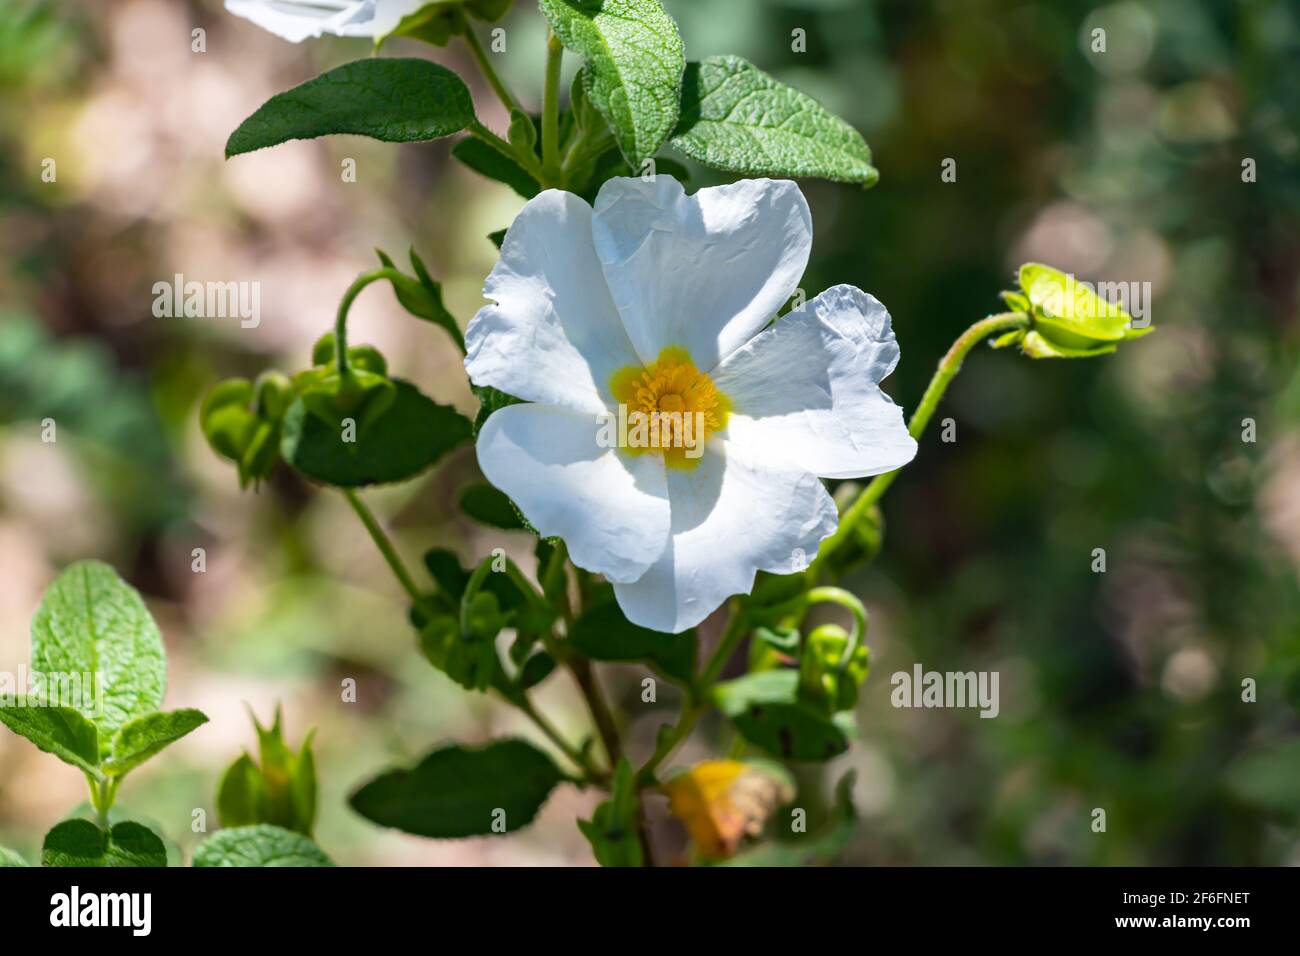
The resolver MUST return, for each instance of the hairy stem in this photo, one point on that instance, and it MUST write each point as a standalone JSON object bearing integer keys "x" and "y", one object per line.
{"x": 579, "y": 759}
{"x": 345, "y": 304}
{"x": 489, "y": 72}
{"x": 551, "y": 110}
{"x": 383, "y": 543}
{"x": 948, "y": 368}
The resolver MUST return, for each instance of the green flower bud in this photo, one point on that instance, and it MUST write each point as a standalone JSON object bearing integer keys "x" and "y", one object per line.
{"x": 824, "y": 675}
{"x": 241, "y": 422}
{"x": 322, "y": 353}
{"x": 1068, "y": 319}
{"x": 469, "y": 660}
{"x": 368, "y": 359}
{"x": 279, "y": 788}
{"x": 272, "y": 395}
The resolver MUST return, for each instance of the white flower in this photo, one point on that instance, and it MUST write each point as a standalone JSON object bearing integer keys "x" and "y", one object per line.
{"x": 296, "y": 20}
{"x": 659, "y": 301}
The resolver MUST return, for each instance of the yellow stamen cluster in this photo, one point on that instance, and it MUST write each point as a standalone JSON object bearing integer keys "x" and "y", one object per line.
{"x": 679, "y": 404}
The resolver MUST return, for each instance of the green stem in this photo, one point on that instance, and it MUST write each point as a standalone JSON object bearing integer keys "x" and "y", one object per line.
{"x": 383, "y": 543}
{"x": 551, "y": 110}
{"x": 948, "y": 368}
{"x": 489, "y": 73}
{"x": 517, "y": 696}
{"x": 600, "y": 712}
{"x": 525, "y": 159}
{"x": 345, "y": 304}
{"x": 698, "y": 703}
{"x": 579, "y": 759}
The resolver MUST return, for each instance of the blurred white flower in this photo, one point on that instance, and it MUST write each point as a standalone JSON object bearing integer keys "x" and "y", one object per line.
{"x": 659, "y": 302}
{"x": 296, "y": 20}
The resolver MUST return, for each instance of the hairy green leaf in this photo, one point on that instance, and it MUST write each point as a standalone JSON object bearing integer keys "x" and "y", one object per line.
{"x": 407, "y": 437}
{"x": 633, "y": 73}
{"x": 487, "y": 160}
{"x": 765, "y": 707}
{"x": 145, "y": 736}
{"x": 738, "y": 118}
{"x": 261, "y": 845}
{"x": 92, "y": 623}
{"x": 490, "y": 506}
{"x": 61, "y": 731}
{"x": 82, "y": 843}
{"x": 462, "y": 791}
{"x": 394, "y": 100}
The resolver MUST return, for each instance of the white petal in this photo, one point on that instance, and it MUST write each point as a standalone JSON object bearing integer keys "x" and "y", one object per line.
{"x": 293, "y": 21}
{"x": 611, "y": 509}
{"x": 378, "y": 18}
{"x": 553, "y": 335}
{"x": 732, "y": 515}
{"x": 704, "y": 272}
{"x": 807, "y": 389}
{"x": 296, "y": 20}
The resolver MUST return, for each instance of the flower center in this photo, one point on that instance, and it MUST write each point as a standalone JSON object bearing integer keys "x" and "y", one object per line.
{"x": 669, "y": 406}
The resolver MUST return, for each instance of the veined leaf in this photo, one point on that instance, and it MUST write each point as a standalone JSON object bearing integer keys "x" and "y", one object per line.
{"x": 409, "y": 436}
{"x": 738, "y": 118}
{"x": 61, "y": 731}
{"x": 633, "y": 73}
{"x": 261, "y": 845}
{"x": 82, "y": 843}
{"x": 92, "y": 623}
{"x": 145, "y": 736}
{"x": 394, "y": 100}
{"x": 462, "y": 791}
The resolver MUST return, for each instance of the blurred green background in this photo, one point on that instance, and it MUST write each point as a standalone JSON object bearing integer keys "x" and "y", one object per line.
{"x": 1120, "y": 690}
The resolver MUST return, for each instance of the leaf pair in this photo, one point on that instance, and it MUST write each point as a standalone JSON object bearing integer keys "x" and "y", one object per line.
{"x": 96, "y": 647}
{"x": 722, "y": 112}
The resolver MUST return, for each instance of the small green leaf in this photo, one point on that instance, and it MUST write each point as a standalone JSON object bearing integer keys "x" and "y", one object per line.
{"x": 422, "y": 297}
{"x": 766, "y": 709}
{"x": 437, "y": 22}
{"x": 462, "y": 791}
{"x": 634, "y": 63}
{"x": 445, "y": 569}
{"x": 92, "y": 623}
{"x": 612, "y": 829}
{"x": 489, "y": 400}
{"x": 10, "y": 857}
{"x": 241, "y": 795}
{"x": 490, "y": 506}
{"x": 61, "y": 731}
{"x": 261, "y": 845}
{"x": 394, "y": 100}
{"x": 536, "y": 669}
{"x": 604, "y": 634}
{"x": 496, "y": 237}
{"x": 738, "y": 118}
{"x": 82, "y": 843}
{"x": 487, "y": 160}
{"x": 409, "y": 436}
{"x": 145, "y": 736}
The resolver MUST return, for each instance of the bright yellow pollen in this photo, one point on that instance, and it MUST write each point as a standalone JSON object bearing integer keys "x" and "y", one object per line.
{"x": 664, "y": 394}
